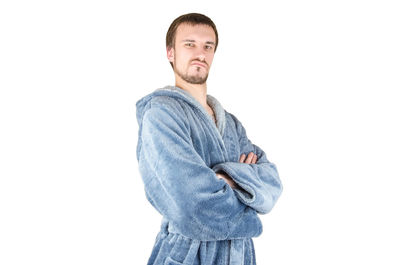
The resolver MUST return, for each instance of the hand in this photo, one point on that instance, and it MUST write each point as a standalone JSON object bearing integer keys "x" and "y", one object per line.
{"x": 229, "y": 180}
{"x": 251, "y": 158}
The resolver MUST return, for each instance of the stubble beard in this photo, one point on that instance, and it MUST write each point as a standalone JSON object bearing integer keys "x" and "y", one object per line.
{"x": 191, "y": 79}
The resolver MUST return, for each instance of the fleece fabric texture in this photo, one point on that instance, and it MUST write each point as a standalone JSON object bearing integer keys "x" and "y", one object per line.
{"x": 180, "y": 149}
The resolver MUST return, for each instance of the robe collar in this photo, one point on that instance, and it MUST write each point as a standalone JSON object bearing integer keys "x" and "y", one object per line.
{"x": 219, "y": 111}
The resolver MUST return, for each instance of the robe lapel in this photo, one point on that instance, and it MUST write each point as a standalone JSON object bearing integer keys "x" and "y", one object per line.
{"x": 216, "y": 131}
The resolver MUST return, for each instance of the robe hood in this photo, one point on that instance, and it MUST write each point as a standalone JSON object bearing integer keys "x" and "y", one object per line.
{"x": 176, "y": 92}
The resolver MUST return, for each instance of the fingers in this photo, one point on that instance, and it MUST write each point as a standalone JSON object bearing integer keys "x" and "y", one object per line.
{"x": 251, "y": 158}
{"x": 254, "y": 160}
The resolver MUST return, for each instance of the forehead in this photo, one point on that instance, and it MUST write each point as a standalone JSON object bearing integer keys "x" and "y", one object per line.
{"x": 195, "y": 32}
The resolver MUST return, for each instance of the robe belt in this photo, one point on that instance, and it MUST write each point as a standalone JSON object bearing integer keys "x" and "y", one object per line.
{"x": 236, "y": 254}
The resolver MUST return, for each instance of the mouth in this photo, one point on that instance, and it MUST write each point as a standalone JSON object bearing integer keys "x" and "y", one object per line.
{"x": 199, "y": 64}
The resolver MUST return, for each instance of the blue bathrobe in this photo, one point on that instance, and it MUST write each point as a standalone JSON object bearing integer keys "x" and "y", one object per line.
{"x": 180, "y": 149}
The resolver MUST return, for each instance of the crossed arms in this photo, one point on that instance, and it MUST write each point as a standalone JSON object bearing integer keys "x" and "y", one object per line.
{"x": 191, "y": 195}
{"x": 251, "y": 159}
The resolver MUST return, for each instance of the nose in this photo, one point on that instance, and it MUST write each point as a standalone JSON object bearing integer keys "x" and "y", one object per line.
{"x": 201, "y": 56}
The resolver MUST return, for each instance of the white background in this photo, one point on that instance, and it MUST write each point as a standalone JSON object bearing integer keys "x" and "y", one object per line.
{"x": 314, "y": 83}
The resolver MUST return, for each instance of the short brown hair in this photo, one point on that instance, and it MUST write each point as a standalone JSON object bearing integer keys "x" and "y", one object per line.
{"x": 191, "y": 19}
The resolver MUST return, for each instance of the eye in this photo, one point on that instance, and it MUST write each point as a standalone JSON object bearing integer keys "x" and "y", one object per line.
{"x": 189, "y": 44}
{"x": 209, "y": 47}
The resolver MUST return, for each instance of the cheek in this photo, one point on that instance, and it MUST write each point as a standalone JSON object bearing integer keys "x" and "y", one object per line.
{"x": 210, "y": 59}
{"x": 183, "y": 58}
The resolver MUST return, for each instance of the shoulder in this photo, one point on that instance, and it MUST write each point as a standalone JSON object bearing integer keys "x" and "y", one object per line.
{"x": 166, "y": 110}
{"x": 169, "y": 104}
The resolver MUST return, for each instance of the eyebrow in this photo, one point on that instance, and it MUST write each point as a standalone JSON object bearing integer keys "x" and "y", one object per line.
{"x": 207, "y": 42}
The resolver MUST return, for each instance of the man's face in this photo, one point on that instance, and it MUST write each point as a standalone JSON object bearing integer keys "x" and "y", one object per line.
{"x": 193, "y": 52}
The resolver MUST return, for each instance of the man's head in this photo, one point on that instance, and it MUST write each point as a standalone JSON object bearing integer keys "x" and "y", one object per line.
{"x": 191, "y": 41}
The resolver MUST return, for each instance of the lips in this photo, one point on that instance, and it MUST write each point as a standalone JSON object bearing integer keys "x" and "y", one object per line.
{"x": 199, "y": 64}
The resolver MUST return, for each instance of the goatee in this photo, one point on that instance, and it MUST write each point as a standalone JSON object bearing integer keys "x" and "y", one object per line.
{"x": 193, "y": 79}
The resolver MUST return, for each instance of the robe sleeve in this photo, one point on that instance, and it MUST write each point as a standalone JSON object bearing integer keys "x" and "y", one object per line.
{"x": 260, "y": 181}
{"x": 183, "y": 188}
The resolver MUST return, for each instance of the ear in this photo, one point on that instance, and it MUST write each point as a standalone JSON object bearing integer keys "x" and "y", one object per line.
{"x": 171, "y": 54}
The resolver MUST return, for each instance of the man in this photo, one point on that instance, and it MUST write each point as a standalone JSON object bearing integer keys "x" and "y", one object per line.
{"x": 199, "y": 169}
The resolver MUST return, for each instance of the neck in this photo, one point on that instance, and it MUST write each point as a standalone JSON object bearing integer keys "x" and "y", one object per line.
{"x": 199, "y": 92}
